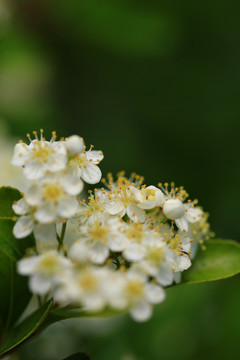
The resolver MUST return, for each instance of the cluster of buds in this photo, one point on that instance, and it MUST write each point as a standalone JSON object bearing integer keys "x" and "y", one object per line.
{"x": 128, "y": 241}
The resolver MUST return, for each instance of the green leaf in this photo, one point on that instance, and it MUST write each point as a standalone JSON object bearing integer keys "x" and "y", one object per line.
{"x": 7, "y": 197}
{"x": 69, "y": 313}
{"x": 60, "y": 314}
{"x": 220, "y": 260}
{"x": 14, "y": 291}
{"x": 26, "y": 329}
{"x": 78, "y": 356}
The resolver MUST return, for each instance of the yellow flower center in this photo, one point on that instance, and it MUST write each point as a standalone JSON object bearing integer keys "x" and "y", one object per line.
{"x": 135, "y": 232}
{"x": 99, "y": 233}
{"x": 148, "y": 194}
{"x": 88, "y": 281}
{"x": 52, "y": 192}
{"x": 155, "y": 255}
{"x": 49, "y": 265}
{"x": 41, "y": 153}
{"x": 134, "y": 290}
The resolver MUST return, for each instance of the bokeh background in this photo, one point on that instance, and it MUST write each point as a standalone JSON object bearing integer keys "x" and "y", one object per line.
{"x": 156, "y": 86}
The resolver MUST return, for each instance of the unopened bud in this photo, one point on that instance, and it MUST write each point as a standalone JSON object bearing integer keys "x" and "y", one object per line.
{"x": 75, "y": 145}
{"x": 173, "y": 209}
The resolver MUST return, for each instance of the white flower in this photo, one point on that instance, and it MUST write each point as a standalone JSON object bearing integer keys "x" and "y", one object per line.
{"x": 134, "y": 249}
{"x": 121, "y": 199}
{"x": 191, "y": 215}
{"x": 25, "y": 224}
{"x": 149, "y": 197}
{"x": 44, "y": 270}
{"x": 141, "y": 295}
{"x": 198, "y": 230}
{"x": 85, "y": 165}
{"x": 157, "y": 260}
{"x": 40, "y": 157}
{"x": 53, "y": 199}
{"x": 85, "y": 288}
{"x": 98, "y": 239}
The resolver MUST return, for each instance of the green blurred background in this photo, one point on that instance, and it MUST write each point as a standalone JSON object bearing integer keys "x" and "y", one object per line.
{"x": 156, "y": 86}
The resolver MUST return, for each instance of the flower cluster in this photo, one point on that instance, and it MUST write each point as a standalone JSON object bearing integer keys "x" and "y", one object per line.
{"x": 130, "y": 240}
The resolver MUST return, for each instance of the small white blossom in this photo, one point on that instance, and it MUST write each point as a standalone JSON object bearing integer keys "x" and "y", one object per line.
{"x": 191, "y": 215}
{"x": 141, "y": 295}
{"x": 97, "y": 240}
{"x": 149, "y": 197}
{"x": 54, "y": 198}
{"x": 40, "y": 157}
{"x": 25, "y": 224}
{"x": 44, "y": 270}
{"x": 84, "y": 288}
{"x": 85, "y": 165}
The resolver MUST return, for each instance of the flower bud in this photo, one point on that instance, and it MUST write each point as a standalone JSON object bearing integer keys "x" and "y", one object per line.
{"x": 173, "y": 209}
{"x": 74, "y": 145}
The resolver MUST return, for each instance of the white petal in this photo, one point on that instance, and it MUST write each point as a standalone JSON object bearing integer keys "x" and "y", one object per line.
{"x": 194, "y": 215}
{"x": 141, "y": 312}
{"x": 21, "y": 154}
{"x": 117, "y": 243}
{"x": 33, "y": 196}
{"x": 94, "y": 302}
{"x": 95, "y": 156}
{"x": 20, "y": 207}
{"x": 58, "y": 160}
{"x": 186, "y": 245}
{"x": 136, "y": 193}
{"x": 177, "y": 277}
{"x": 115, "y": 207}
{"x": 98, "y": 253}
{"x": 135, "y": 213}
{"x": 79, "y": 251}
{"x": 160, "y": 197}
{"x": 182, "y": 224}
{"x": 46, "y": 214}
{"x": 34, "y": 171}
{"x": 91, "y": 174}
{"x": 28, "y": 265}
{"x": 154, "y": 294}
{"x": 184, "y": 262}
{"x": 45, "y": 232}
{"x": 165, "y": 276}
{"x": 194, "y": 248}
{"x": 67, "y": 208}
{"x": 23, "y": 227}
{"x": 135, "y": 252}
{"x": 72, "y": 185}
{"x": 39, "y": 284}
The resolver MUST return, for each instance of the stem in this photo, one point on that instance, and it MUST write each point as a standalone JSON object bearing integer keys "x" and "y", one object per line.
{"x": 61, "y": 237}
{"x": 39, "y": 301}
{"x": 164, "y": 220}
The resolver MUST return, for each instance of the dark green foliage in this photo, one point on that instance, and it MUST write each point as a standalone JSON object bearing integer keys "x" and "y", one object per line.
{"x": 25, "y": 329}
